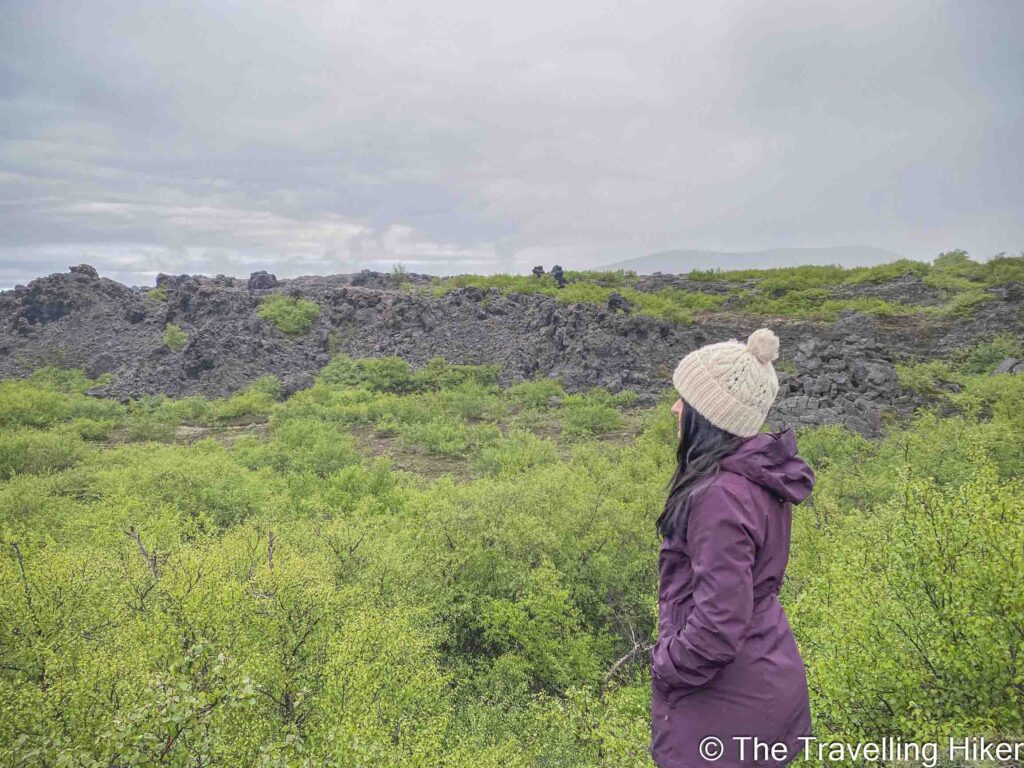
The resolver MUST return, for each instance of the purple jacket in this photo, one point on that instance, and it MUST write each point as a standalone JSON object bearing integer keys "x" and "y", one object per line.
{"x": 726, "y": 663}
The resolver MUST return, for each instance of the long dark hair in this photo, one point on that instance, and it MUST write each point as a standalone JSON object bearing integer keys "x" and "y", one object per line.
{"x": 701, "y": 447}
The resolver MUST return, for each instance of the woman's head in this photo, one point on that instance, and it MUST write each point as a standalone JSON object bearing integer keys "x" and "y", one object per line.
{"x": 701, "y": 446}
{"x": 732, "y": 384}
{"x": 725, "y": 392}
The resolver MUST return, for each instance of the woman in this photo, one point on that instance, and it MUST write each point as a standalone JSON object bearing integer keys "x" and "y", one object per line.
{"x": 725, "y": 665}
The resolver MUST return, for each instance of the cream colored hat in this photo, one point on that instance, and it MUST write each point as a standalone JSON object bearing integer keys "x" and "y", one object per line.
{"x": 731, "y": 384}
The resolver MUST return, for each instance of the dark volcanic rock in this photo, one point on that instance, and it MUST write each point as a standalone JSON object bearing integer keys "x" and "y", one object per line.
{"x": 840, "y": 372}
{"x": 259, "y": 281}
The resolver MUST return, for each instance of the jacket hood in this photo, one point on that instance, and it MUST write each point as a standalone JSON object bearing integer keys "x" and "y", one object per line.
{"x": 770, "y": 459}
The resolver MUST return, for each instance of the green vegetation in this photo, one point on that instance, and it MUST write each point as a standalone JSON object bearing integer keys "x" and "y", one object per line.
{"x": 594, "y": 288}
{"x": 289, "y": 313}
{"x": 819, "y": 304}
{"x": 175, "y": 337}
{"x": 804, "y": 292}
{"x": 159, "y": 293}
{"x": 400, "y": 274}
{"x": 405, "y": 566}
{"x": 963, "y": 379}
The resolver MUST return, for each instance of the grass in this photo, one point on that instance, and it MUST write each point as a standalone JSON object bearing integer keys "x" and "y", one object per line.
{"x": 803, "y": 293}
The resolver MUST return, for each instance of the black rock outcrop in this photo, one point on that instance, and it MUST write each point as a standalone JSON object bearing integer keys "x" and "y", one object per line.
{"x": 840, "y": 372}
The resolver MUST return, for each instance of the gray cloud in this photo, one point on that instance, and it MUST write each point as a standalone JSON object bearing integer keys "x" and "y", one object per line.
{"x": 323, "y": 137}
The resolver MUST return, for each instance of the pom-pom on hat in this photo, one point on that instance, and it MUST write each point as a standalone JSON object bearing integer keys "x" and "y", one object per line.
{"x": 731, "y": 384}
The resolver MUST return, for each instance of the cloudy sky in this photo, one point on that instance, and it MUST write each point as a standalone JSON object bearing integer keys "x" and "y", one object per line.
{"x": 321, "y": 137}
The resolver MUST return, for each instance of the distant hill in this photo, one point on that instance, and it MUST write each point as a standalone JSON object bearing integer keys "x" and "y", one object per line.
{"x": 682, "y": 261}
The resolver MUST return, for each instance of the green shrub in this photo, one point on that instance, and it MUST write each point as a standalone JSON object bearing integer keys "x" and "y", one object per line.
{"x": 235, "y": 594}
{"x": 301, "y": 445}
{"x": 818, "y": 304}
{"x": 395, "y": 375}
{"x": 67, "y": 380}
{"x": 439, "y": 374}
{"x": 542, "y": 626}
{"x": 786, "y": 366}
{"x": 446, "y": 436}
{"x": 159, "y": 293}
{"x": 174, "y": 337}
{"x": 43, "y": 401}
{"x": 1002, "y": 269}
{"x": 927, "y": 378}
{"x": 912, "y": 627}
{"x": 34, "y": 451}
{"x": 257, "y": 400}
{"x": 518, "y": 451}
{"x": 623, "y": 398}
{"x": 289, "y": 313}
{"x": 399, "y": 273}
{"x": 584, "y": 418}
{"x": 536, "y": 393}
{"x": 382, "y": 374}
{"x": 155, "y": 426}
{"x": 961, "y": 304}
{"x": 884, "y": 272}
{"x": 92, "y": 429}
{"x": 984, "y": 357}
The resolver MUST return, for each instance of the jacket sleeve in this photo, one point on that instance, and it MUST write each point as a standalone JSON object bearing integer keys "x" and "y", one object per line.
{"x": 722, "y": 556}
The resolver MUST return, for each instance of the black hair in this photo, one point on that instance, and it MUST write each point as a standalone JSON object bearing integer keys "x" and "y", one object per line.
{"x": 701, "y": 447}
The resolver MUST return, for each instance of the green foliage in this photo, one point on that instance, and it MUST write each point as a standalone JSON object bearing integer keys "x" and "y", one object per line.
{"x": 446, "y": 436}
{"x": 395, "y": 375}
{"x": 815, "y": 276}
{"x": 583, "y": 417}
{"x": 290, "y": 314}
{"x": 399, "y": 273}
{"x": 786, "y": 366}
{"x": 51, "y": 396}
{"x": 540, "y": 624}
{"x": 983, "y": 358}
{"x": 159, "y": 293}
{"x": 674, "y": 304}
{"x": 301, "y": 445}
{"x": 36, "y": 451}
{"x": 927, "y": 378}
{"x": 595, "y": 288}
{"x": 964, "y": 380}
{"x": 999, "y": 270}
{"x": 256, "y": 400}
{"x": 819, "y": 304}
{"x": 536, "y": 393}
{"x": 174, "y": 337}
{"x": 67, "y": 380}
{"x": 804, "y": 292}
{"x": 287, "y": 598}
{"x": 518, "y": 451}
{"x": 911, "y": 626}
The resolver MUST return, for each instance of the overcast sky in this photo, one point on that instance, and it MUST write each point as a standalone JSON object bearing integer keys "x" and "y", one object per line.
{"x": 316, "y": 138}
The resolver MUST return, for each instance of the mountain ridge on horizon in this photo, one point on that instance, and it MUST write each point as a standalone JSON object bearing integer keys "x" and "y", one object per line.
{"x": 683, "y": 260}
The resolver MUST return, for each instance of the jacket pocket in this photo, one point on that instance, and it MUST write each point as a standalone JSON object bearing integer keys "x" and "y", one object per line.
{"x": 661, "y": 691}
{"x": 676, "y": 614}
{"x": 666, "y": 696}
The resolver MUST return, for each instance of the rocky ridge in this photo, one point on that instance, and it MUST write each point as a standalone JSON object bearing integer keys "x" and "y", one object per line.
{"x": 839, "y": 372}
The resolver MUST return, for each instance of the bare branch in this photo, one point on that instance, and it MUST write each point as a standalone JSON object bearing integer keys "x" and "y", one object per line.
{"x": 636, "y": 650}
{"x": 133, "y": 534}
{"x": 24, "y": 583}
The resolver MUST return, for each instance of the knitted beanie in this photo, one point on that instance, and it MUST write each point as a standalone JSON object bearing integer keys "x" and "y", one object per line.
{"x": 731, "y": 384}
